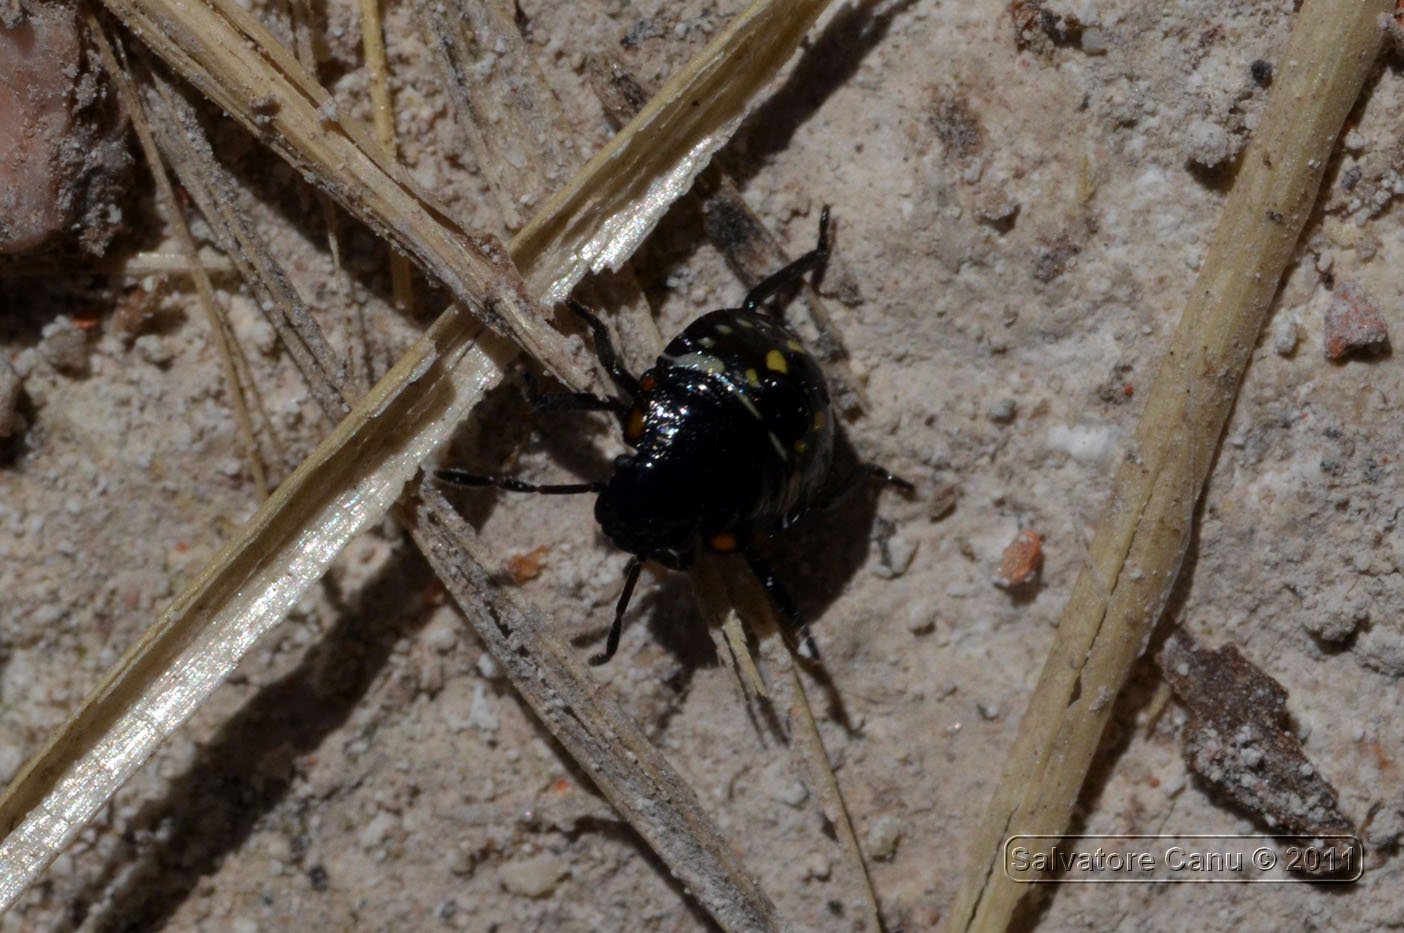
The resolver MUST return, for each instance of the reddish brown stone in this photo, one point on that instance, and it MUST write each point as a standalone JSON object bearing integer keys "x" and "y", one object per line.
{"x": 1022, "y": 560}
{"x": 1354, "y": 324}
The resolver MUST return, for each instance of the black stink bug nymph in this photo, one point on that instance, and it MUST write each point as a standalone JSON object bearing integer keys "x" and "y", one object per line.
{"x": 733, "y": 438}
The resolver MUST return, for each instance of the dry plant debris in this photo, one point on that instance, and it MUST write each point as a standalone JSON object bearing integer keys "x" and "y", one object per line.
{"x": 1239, "y": 739}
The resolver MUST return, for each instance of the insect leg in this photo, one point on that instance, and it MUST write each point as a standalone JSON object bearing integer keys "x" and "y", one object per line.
{"x": 569, "y": 401}
{"x": 780, "y": 597}
{"x": 794, "y": 271}
{"x": 604, "y": 349}
{"x": 631, "y": 576}
{"x": 883, "y": 476}
{"x": 464, "y": 478}
{"x": 857, "y": 479}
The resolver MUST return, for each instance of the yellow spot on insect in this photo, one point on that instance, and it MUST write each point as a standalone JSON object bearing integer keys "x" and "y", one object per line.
{"x": 724, "y": 329}
{"x": 801, "y": 446}
{"x": 821, "y": 421}
{"x": 775, "y": 360}
{"x": 753, "y": 378}
{"x": 794, "y": 345}
{"x": 634, "y": 429}
{"x": 724, "y": 542}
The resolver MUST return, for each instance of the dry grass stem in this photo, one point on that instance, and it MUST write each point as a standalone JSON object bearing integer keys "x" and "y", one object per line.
{"x": 830, "y": 795}
{"x": 383, "y": 117}
{"x": 221, "y": 200}
{"x": 1141, "y": 539}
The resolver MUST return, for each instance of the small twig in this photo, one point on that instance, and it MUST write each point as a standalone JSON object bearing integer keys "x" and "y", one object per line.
{"x": 518, "y": 131}
{"x": 301, "y": 19}
{"x": 383, "y": 116}
{"x": 204, "y": 289}
{"x": 220, "y": 199}
{"x": 827, "y": 789}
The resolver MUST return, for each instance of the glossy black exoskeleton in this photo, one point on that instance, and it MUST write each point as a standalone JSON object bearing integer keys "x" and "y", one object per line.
{"x": 733, "y": 439}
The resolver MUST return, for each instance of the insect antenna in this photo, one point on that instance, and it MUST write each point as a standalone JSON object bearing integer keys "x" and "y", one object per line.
{"x": 511, "y": 484}
{"x": 794, "y": 271}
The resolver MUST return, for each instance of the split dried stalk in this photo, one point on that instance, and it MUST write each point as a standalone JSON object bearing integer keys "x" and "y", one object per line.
{"x": 515, "y": 126}
{"x": 223, "y": 203}
{"x": 354, "y": 476}
{"x": 1142, "y": 536}
{"x": 520, "y": 135}
{"x": 612, "y": 201}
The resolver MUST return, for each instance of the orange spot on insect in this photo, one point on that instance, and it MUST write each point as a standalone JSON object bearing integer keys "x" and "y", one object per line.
{"x": 634, "y": 429}
{"x": 648, "y": 383}
{"x": 724, "y": 542}
{"x": 86, "y": 322}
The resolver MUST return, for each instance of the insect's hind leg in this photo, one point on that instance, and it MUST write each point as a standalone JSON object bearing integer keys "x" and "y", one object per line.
{"x": 794, "y": 271}
{"x": 604, "y": 349}
{"x": 780, "y": 598}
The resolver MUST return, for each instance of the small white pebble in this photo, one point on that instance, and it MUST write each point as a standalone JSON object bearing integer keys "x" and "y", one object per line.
{"x": 883, "y": 837}
{"x": 536, "y": 876}
{"x": 440, "y": 635}
{"x": 1284, "y": 337}
{"x": 374, "y": 833}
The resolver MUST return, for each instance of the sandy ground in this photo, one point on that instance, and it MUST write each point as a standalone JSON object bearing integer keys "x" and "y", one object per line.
{"x": 1024, "y": 226}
